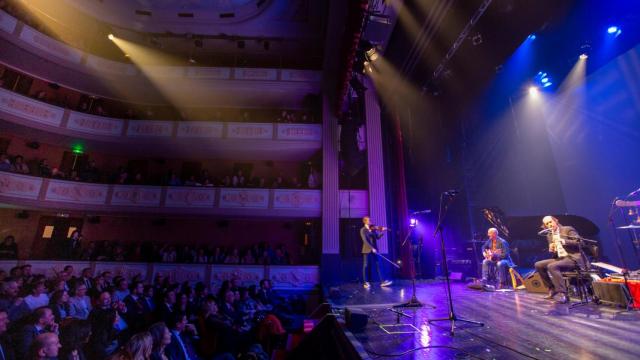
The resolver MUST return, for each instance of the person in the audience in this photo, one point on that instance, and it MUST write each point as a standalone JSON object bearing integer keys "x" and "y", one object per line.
{"x": 13, "y": 304}
{"x": 166, "y": 309}
{"x": 9, "y": 248}
{"x": 19, "y": 166}
{"x": 44, "y": 170}
{"x": 38, "y": 295}
{"x": 122, "y": 289}
{"x": 137, "y": 310}
{"x": 42, "y": 321}
{"x": 5, "y": 163}
{"x": 80, "y": 303}
{"x": 140, "y": 346}
{"x": 45, "y": 346}
{"x": 183, "y": 336}
{"x": 6, "y": 345}
{"x": 161, "y": 338}
{"x": 59, "y": 304}
{"x": 104, "y": 333}
{"x": 74, "y": 336}
{"x": 233, "y": 258}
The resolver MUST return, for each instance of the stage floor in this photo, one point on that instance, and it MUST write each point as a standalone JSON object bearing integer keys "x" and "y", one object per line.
{"x": 517, "y": 325}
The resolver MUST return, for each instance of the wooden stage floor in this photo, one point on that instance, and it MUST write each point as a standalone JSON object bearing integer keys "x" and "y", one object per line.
{"x": 517, "y": 325}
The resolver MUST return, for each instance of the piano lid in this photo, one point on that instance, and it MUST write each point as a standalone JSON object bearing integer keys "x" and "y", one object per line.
{"x": 527, "y": 227}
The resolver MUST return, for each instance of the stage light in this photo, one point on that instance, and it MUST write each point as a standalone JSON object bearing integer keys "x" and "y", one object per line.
{"x": 111, "y": 37}
{"x": 533, "y": 90}
{"x": 531, "y": 37}
{"x": 583, "y": 56}
{"x": 413, "y": 222}
{"x": 614, "y": 30}
{"x": 547, "y": 84}
{"x": 544, "y": 80}
{"x": 372, "y": 54}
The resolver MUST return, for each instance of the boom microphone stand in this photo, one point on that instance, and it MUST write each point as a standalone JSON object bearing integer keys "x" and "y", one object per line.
{"x": 414, "y": 302}
{"x": 445, "y": 200}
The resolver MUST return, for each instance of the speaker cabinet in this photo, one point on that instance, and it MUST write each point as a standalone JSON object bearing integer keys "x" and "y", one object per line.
{"x": 356, "y": 320}
{"x": 533, "y": 283}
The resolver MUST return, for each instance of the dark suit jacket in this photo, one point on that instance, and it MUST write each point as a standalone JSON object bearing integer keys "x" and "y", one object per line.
{"x": 369, "y": 239}
{"x": 7, "y": 348}
{"x": 174, "y": 351}
{"x": 23, "y": 338}
{"x": 571, "y": 244}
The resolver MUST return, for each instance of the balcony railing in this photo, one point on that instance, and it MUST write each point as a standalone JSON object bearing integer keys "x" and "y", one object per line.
{"x": 30, "y": 191}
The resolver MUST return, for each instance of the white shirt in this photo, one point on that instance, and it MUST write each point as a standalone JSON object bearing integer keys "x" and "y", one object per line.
{"x": 36, "y": 302}
{"x": 559, "y": 242}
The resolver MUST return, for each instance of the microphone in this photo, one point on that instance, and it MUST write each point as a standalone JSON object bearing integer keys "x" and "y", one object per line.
{"x": 421, "y": 212}
{"x": 544, "y": 232}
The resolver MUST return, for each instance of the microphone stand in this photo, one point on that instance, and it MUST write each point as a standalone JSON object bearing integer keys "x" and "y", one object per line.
{"x": 414, "y": 302}
{"x": 452, "y": 318}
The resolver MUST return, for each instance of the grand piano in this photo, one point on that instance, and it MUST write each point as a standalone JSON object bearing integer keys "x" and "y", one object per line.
{"x": 522, "y": 233}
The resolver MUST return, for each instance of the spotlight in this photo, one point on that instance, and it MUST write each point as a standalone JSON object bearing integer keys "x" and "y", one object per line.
{"x": 583, "y": 56}
{"x": 533, "y": 90}
{"x": 192, "y": 60}
{"x": 111, "y": 37}
{"x": 413, "y": 222}
{"x": 531, "y": 37}
{"x": 614, "y": 30}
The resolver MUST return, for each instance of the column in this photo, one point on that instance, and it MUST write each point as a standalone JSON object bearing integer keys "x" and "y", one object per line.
{"x": 330, "y": 176}
{"x": 375, "y": 163}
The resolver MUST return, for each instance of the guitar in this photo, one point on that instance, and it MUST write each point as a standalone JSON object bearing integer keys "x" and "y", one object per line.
{"x": 492, "y": 255}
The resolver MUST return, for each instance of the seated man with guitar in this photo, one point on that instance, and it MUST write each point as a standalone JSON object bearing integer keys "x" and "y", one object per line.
{"x": 496, "y": 255}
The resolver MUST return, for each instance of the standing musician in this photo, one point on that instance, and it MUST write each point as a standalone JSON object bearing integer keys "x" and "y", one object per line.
{"x": 567, "y": 255}
{"x": 370, "y": 235}
{"x": 496, "y": 255}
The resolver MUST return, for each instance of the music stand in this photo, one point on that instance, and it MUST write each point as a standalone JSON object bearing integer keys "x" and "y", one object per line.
{"x": 445, "y": 200}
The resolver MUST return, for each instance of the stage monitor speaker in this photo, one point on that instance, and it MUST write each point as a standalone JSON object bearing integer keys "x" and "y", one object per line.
{"x": 533, "y": 283}
{"x": 356, "y": 319}
{"x": 612, "y": 293}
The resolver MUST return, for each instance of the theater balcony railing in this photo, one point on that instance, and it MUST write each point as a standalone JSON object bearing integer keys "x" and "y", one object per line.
{"x": 23, "y": 191}
{"x": 43, "y": 57}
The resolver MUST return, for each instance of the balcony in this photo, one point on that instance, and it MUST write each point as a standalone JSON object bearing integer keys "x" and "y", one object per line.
{"x": 23, "y": 191}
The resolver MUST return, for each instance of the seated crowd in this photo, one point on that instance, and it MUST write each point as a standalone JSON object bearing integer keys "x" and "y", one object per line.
{"x": 122, "y": 176}
{"x": 76, "y": 248}
{"x": 68, "y": 98}
{"x": 112, "y": 317}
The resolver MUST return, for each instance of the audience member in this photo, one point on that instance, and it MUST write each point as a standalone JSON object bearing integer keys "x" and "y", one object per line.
{"x": 6, "y": 345}
{"x": 42, "y": 321}
{"x": 80, "y": 303}
{"x": 9, "y": 248}
{"x": 38, "y": 296}
{"x": 74, "y": 337}
{"x": 183, "y": 336}
{"x": 45, "y": 346}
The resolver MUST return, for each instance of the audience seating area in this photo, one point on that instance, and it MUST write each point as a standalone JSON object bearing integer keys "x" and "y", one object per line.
{"x": 128, "y": 311}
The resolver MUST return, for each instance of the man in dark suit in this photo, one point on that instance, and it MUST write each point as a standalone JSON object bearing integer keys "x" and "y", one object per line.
{"x": 43, "y": 322}
{"x": 370, "y": 238}
{"x": 137, "y": 309}
{"x": 567, "y": 255}
{"x": 496, "y": 257}
{"x": 182, "y": 337}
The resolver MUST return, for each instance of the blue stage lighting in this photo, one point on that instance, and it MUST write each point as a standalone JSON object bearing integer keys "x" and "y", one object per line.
{"x": 531, "y": 37}
{"x": 614, "y": 30}
{"x": 547, "y": 84}
{"x": 413, "y": 222}
{"x": 544, "y": 80}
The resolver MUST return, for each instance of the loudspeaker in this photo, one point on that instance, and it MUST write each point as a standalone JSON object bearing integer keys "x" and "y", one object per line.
{"x": 612, "y": 293}
{"x": 356, "y": 320}
{"x": 533, "y": 283}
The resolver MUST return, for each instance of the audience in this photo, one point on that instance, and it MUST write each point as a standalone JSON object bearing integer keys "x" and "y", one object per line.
{"x": 194, "y": 324}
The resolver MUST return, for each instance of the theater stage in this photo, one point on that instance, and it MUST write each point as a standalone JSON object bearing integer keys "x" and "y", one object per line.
{"x": 518, "y": 325}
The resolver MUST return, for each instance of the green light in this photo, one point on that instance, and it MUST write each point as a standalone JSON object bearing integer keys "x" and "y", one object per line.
{"x": 77, "y": 149}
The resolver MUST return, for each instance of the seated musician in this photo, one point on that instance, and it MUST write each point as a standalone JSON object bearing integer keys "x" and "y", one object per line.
{"x": 565, "y": 247}
{"x": 496, "y": 257}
